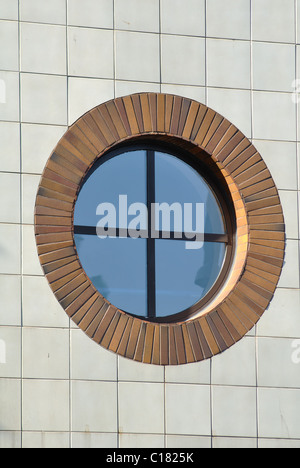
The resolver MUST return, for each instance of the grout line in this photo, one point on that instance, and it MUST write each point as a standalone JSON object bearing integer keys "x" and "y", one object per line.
{"x": 297, "y": 64}
{"x": 160, "y": 45}
{"x": 21, "y": 232}
{"x": 70, "y": 329}
{"x": 114, "y": 50}
{"x": 252, "y": 138}
{"x": 206, "y": 65}
{"x": 211, "y": 404}
{"x": 115, "y": 94}
{"x": 211, "y": 360}
{"x": 136, "y": 31}
{"x": 118, "y": 402}
{"x": 165, "y": 409}
{"x": 137, "y": 81}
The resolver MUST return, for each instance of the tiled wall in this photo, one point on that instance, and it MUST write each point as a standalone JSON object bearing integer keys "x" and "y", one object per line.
{"x": 58, "y": 388}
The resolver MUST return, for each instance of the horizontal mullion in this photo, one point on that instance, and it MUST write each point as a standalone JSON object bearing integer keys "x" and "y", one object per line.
{"x": 158, "y": 235}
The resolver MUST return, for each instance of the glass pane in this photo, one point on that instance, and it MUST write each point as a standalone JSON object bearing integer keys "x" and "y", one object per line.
{"x": 122, "y": 175}
{"x": 177, "y": 182}
{"x": 117, "y": 268}
{"x": 183, "y": 277}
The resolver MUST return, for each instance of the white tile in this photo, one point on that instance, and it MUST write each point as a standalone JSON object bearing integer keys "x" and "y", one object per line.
{"x": 30, "y": 185}
{"x": 237, "y": 366}
{"x": 282, "y": 317}
{"x": 298, "y": 159}
{"x": 273, "y": 20}
{"x": 228, "y": 63}
{"x": 89, "y": 361}
{"x": 42, "y": 309}
{"x": 9, "y": 55}
{"x": 188, "y": 409}
{"x": 175, "y": 441}
{"x": 10, "y": 147}
{"x": 88, "y": 440}
{"x": 198, "y": 93}
{"x": 43, "y": 49}
{"x": 9, "y": 9}
{"x": 233, "y": 104}
{"x": 132, "y": 371}
{"x": 274, "y": 116}
{"x": 279, "y": 411}
{"x": 31, "y": 264}
{"x": 180, "y": 67}
{"x": 10, "y": 352}
{"x": 141, "y": 408}
{"x": 45, "y": 440}
{"x": 137, "y": 57}
{"x": 275, "y": 364}
{"x": 45, "y": 353}
{"x": 128, "y": 15}
{"x": 85, "y": 94}
{"x": 44, "y": 99}
{"x": 234, "y": 411}
{"x": 295, "y": 85}
{"x": 10, "y": 304}
{"x": 10, "y": 440}
{"x": 45, "y": 405}
{"x": 186, "y": 17}
{"x": 96, "y": 13}
{"x": 281, "y": 159}
{"x": 135, "y": 441}
{"x": 10, "y": 196}
{"x": 230, "y": 19}
{"x": 298, "y": 21}
{"x": 10, "y": 404}
{"x": 268, "y": 72}
{"x": 94, "y": 406}
{"x": 10, "y": 239}
{"x": 124, "y": 88}
{"x": 234, "y": 443}
{"x": 91, "y": 53}
{"x": 289, "y": 201}
{"x": 9, "y": 96}
{"x": 198, "y": 373}
{"x": 53, "y": 12}
{"x": 38, "y": 142}
{"x": 290, "y": 273}
{"x": 278, "y": 444}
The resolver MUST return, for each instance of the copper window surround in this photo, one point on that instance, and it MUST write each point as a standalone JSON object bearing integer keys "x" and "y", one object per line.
{"x": 260, "y": 230}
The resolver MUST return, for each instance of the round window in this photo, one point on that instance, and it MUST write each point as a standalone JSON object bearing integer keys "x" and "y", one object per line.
{"x": 152, "y": 233}
{"x": 159, "y": 229}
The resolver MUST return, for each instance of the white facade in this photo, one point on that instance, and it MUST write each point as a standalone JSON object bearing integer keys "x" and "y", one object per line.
{"x": 58, "y": 59}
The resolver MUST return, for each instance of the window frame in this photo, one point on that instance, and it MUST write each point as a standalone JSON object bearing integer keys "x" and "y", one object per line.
{"x": 226, "y": 209}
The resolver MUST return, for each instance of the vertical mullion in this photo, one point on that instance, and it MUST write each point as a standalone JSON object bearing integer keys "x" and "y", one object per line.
{"x": 151, "y": 286}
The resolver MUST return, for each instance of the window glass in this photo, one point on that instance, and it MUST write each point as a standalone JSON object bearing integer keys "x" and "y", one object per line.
{"x": 118, "y": 269}
{"x": 176, "y": 181}
{"x": 124, "y": 174}
{"x": 183, "y": 277}
{"x": 123, "y": 268}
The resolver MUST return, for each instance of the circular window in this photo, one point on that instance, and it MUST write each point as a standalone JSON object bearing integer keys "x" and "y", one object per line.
{"x": 152, "y": 233}
{"x": 159, "y": 229}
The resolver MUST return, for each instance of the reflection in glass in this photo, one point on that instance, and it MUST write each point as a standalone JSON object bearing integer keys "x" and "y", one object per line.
{"x": 124, "y": 174}
{"x": 184, "y": 277}
{"x": 178, "y": 182}
{"x": 117, "y": 269}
